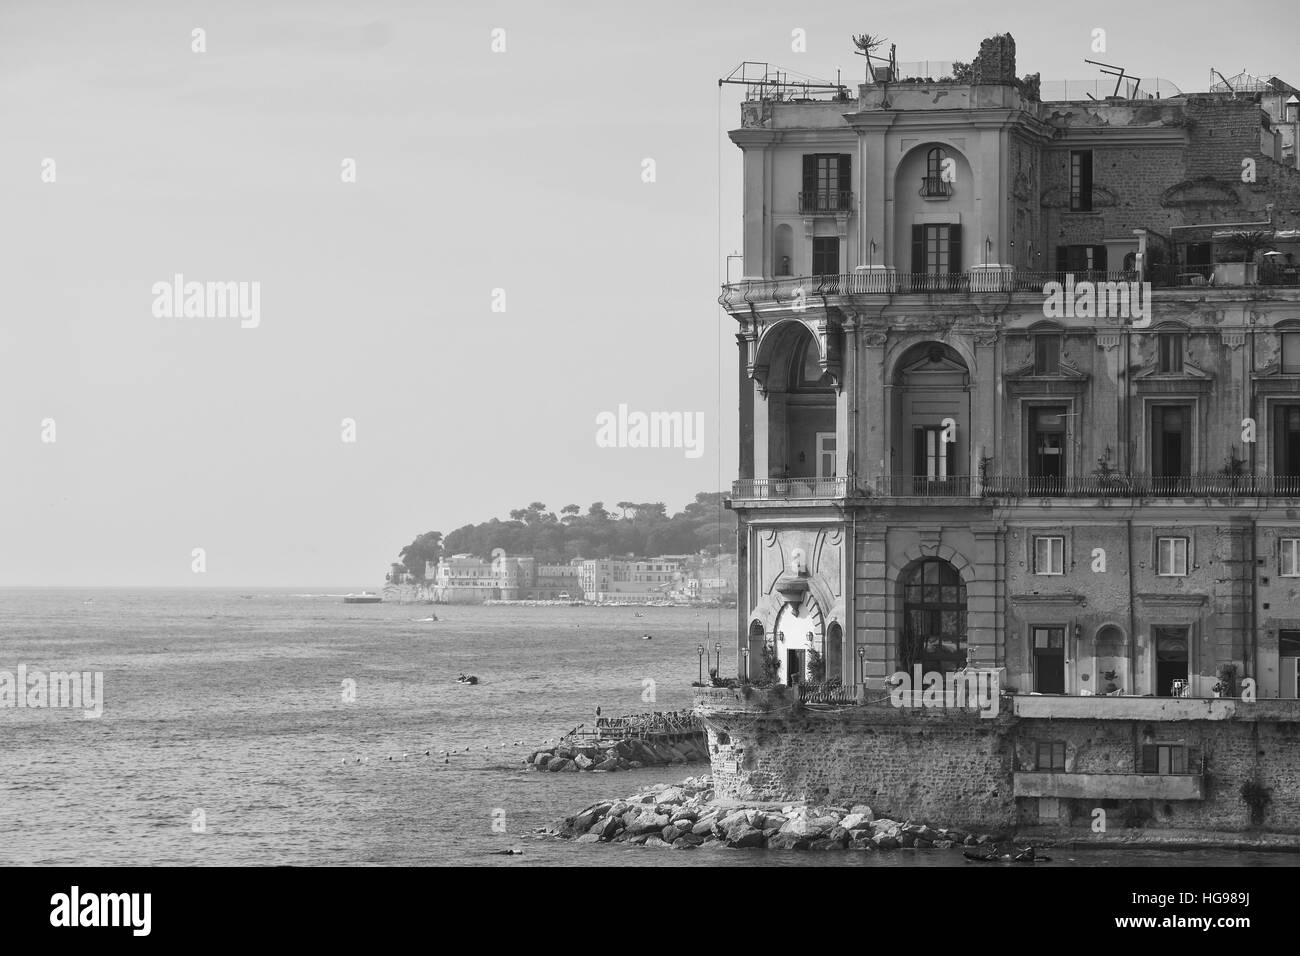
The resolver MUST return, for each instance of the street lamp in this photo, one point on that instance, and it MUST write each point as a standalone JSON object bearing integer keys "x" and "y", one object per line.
{"x": 718, "y": 647}
{"x": 862, "y": 664}
{"x": 699, "y": 653}
{"x": 745, "y": 651}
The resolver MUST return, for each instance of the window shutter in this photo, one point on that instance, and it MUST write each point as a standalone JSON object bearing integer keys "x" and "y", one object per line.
{"x": 846, "y": 172}
{"x": 810, "y": 172}
{"x": 918, "y": 451}
{"x": 1099, "y": 258}
{"x": 1062, "y": 259}
{"x": 1149, "y": 758}
{"x": 1085, "y": 180}
{"x": 950, "y": 453}
{"x": 918, "y": 249}
{"x": 954, "y": 247}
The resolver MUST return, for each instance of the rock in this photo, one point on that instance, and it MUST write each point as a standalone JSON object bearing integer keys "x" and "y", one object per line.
{"x": 588, "y": 817}
{"x": 671, "y": 833}
{"x": 744, "y": 837}
{"x": 861, "y": 840}
{"x": 607, "y": 765}
{"x": 856, "y": 821}
{"x": 639, "y": 840}
{"x": 704, "y": 827}
{"x": 861, "y": 809}
{"x": 583, "y": 762}
{"x": 588, "y": 838}
{"x": 925, "y": 833}
{"x": 884, "y": 842}
{"x": 634, "y": 765}
{"x": 825, "y": 843}
{"x": 657, "y": 843}
{"x": 777, "y": 820}
{"x": 687, "y": 841}
{"x": 564, "y": 752}
{"x": 557, "y": 764}
{"x": 684, "y": 814}
{"x": 591, "y": 753}
{"x": 885, "y": 825}
{"x": 943, "y": 844}
{"x": 956, "y": 836}
{"x": 839, "y": 835}
{"x": 924, "y": 844}
{"x": 801, "y": 826}
{"x": 735, "y": 818}
{"x": 607, "y": 828}
{"x": 970, "y": 840}
{"x": 673, "y": 795}
{"x": 541, "y": 760}
{"x": 788, "y": 841}
{"x": 906, "y": 839}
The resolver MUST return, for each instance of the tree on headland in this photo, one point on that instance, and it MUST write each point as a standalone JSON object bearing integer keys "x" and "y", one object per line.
{"x": 427, "y": 547}
{"x": 646, "y": 529}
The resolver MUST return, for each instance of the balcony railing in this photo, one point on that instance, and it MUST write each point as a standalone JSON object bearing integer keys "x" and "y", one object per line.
{"x": 1143, "y": 486}
{"x": 923, "y": 486}
{"x": 886, "y": 282}
{"x": 825, "y": 201}
{"x": 831, "y": 692}
{"x": 933, "y": 187}
{"x": 789, "y": 489}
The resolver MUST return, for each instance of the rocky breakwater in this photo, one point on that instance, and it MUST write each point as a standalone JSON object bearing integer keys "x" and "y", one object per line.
{"x": 625, "y": 754}
{"x": 683, "y": 817}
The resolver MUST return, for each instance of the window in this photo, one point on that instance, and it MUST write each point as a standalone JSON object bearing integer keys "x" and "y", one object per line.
{"x": 826, "y": 256}
{"x": 1047, "y": 354}
{"x": 936, "y": 248}
{"x": 934, "y": 618}
{"x": 1171, "y": 441}
{"x": 1172, "y": 557}
{"x": 933, "y": 458}
{"x": 1081, "y": 180}
{"x": 1291, "y": 353}
{"x": 1047, "y": 447}
{"x": 1172, "y": 661}
{"x": 1049, "y": 555}
{"x": 1171, "y": 345}
{"x": 1290, "y": 559}
{"x": 826, "y": 183}
{"x": 1080, "y": 258}
{"x": 1164, "y": 758}
{"x": 1286, "y": 441}
{"x": 933, "y": 184}
{"x": 1049, "y": 755}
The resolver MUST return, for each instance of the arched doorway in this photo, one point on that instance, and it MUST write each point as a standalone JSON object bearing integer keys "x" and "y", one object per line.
{"x": 934, "y": 617}
{"x": 834, "y": 652}
{"x": 931, "y": 418}
{"x": 757, "y": 644}
{"x": 795, "y": 636}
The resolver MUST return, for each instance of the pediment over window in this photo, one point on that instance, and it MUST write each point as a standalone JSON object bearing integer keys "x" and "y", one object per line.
{"x": 1199, "y": 192}
{"x": 1058, "y": 197}
{"x": 1068, "y": 380}
{"x": 1190, "y": 371}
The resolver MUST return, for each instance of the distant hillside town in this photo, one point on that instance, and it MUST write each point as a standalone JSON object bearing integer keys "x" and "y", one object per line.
{"x": 597, "y": 557}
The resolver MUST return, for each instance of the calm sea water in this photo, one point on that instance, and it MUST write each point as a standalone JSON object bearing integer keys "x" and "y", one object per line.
{"x": 234, "y": 706}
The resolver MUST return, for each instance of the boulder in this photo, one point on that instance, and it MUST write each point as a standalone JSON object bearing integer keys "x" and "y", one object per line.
{"x": 744, "y": 837}
{"x": 565, "y": 752}
{"x": 839, "y": 835}
{"x": 607, "y": 765}
{"x": 671, "y": 833}
{"x": 856, "y": 821}
{"x": 906, "y": 839}
{"x": 687, "y": 841}
{"x": 588, "y": 817}
{"x": 863, "y": 810}
{"x": 801, "y": 826}
{"x": 943, "y": 844}
{"x": 971, "y": 840}
{"x": 925, "y": 833}
{"x": 924, "y": 844}
{"x": 588, "y": 838}
{"x": 735, "y": 818}
{"x": 541, "y": 760}
{"x": 704, "y": 826}
{"x": 583, "y": 762}
{"x": 684, "y": 814}
{"x": 558, "y": 764}
{"x": 607, "y": 828}
{"x": 657, "y": 843}
{"x": 788, "y": 841}
{"x": 885, "y": 825}
{"x": 825, "y": 843}
{"x": 884, "y": 842}
{"x": 675, "y": 795}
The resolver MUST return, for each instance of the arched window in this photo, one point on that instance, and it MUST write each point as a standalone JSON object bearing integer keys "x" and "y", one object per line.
{"x": 933, "y": 184}
{"x": 934, "y": 617}
{"x": 807, "y": 374}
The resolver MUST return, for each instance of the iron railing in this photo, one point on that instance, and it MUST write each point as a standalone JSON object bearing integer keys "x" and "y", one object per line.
{"x": 1142, "y": 486}
{"x": 829, "y": 692}
{"x": 923, "y": 486}
{"x": 786, "y": 489}
{"x": 878, "y": 281}
{"x": 640, "y": 725}
{"x": 825, "y": 200}
{"x": 934, "y": 186}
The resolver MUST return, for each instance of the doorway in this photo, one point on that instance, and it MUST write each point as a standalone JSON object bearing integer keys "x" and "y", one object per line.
{"x": 1171, "y": 660}
{"x": 1049, "y": 660}
{"x": 796, "y": 666}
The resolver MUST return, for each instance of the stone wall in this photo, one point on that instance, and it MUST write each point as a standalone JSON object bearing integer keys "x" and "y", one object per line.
{"x": 954, "y": 768}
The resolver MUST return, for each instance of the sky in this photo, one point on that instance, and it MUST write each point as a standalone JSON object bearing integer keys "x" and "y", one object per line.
{"x": 377, "y": 393}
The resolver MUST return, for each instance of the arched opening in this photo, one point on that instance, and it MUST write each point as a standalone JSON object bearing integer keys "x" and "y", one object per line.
{"x": 834, "y": 652}
{"x": 757, "y": 644}
{"x": 796, "y": 635}
{"x": 934, "y": 617}
{"x": 801, "y": 415}
{"x": 934, "y": 184}
{"x": 931, "y": 422}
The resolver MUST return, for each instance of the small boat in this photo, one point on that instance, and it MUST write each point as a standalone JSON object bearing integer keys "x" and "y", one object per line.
{"x": 1023, "y": 857}
{"x": 365, "y": 597}
{"x": 425, "y": 620}
{"x": 467, "y": 679}
{"x": 647, "y": 637}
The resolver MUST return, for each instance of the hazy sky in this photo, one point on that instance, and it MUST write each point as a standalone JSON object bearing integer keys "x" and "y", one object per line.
{"x": 475, "y": 171}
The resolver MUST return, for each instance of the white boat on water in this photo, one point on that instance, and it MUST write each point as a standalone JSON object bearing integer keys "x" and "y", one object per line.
{"x": 365, "y": 597}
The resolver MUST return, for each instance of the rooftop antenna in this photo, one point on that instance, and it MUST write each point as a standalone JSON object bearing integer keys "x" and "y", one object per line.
{"x": 1118, "y": 73}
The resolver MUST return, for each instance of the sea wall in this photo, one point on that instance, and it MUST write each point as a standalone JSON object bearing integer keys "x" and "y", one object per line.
{"x": 1044, "y": 769}
{"x": 658, "y": 750}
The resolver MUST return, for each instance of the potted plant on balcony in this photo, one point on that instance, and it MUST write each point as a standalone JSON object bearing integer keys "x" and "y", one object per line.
{"x": 1109, "y": 480}
{"x": 1234, "y": 469}
{"x": 1247, "y": 242}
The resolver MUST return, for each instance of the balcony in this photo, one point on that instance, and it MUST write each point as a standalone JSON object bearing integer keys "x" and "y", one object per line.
{"x": 1109, "y": 786}
{"x": 922, "y": 486}
{"x": 824, "y": 202}
{"x": 934, "y": 187}
{"x": 788, "y": 489}
{"x": 1149, "y": 709}
{"x": 1143, "y": 486}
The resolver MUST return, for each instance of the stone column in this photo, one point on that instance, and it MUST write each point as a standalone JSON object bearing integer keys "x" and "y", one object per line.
{"x": 873, "y": 412}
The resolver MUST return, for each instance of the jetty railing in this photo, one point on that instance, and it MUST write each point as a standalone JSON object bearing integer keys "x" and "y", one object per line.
{"x": 626, "y": 726}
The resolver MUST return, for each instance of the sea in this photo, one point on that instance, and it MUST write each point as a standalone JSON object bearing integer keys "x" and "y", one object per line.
{"x": 284, "y": 727}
